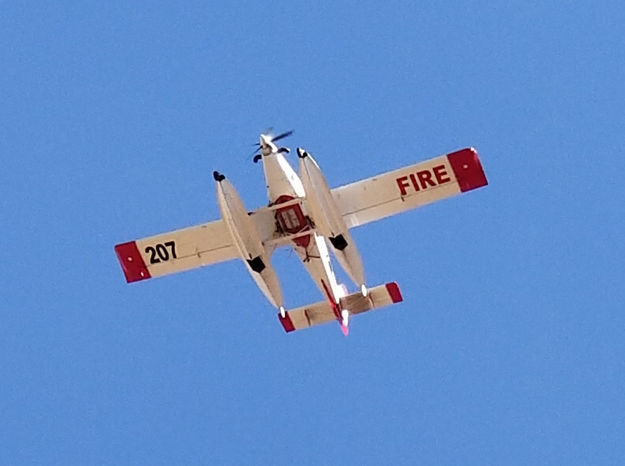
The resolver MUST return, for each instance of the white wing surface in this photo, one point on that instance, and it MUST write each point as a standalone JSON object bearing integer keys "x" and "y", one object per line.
{"x": 176, "y": 251}
{"x": 407, "y": 188}
{"x": 196, "y": 246}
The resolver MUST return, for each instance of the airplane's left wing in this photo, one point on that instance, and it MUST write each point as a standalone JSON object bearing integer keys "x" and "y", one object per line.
{"x": 176, "y": 251}
{"x": 196, "y": 246}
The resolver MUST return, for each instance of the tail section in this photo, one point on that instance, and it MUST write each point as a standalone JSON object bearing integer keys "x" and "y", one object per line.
{"x": 355, "y": 303}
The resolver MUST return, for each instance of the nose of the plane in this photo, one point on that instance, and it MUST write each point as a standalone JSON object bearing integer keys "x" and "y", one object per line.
{"x": 264, "y": 140}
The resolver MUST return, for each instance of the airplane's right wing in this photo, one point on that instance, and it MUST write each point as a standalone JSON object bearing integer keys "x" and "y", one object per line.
{"x": 399, "y": 190}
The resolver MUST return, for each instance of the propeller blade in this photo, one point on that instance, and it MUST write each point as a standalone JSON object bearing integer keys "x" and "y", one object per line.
{"x": 281, "y": 136}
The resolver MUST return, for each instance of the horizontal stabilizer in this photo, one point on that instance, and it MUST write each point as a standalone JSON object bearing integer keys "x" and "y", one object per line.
{"x": 321, "y": 312}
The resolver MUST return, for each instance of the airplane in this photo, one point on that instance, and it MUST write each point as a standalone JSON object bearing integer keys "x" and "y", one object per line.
{"x": 307, "y": 215}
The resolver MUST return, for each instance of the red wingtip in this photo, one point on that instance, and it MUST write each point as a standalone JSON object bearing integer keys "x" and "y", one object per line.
{"x": 131, "y": 261}
{"x": 345, "y": 329}
{"x": 467, "y": 168}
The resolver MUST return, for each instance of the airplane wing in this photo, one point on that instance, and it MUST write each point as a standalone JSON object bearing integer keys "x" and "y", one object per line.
{"x": 196, "y": 246}
{"x": 399, "y": 190}
{"x": 321, "y": 312}
{"x": 176, "y": 251}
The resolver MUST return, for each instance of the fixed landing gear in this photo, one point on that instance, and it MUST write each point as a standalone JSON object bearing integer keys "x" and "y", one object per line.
{"x": 282, "y": 312}
{"x": 364, "y": 291}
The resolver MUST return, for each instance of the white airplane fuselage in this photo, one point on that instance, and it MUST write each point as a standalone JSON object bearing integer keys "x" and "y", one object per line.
{"x": 310, "y": 222}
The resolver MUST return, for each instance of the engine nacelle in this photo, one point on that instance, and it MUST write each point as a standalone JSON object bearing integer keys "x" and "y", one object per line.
{"x": 246, "y": 239}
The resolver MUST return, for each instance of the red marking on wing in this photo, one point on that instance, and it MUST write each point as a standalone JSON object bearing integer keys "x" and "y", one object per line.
{"x": 468, "y": 169}
{"x": 131, "y": 261}
{"x": 286, "y": 322}
{"x": 394, "y": 293}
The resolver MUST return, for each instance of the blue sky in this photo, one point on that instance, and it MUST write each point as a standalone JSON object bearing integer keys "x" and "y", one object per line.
{"x": 509, "y": 347}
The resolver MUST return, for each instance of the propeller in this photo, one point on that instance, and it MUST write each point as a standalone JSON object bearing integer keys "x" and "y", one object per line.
{"x": 277, "y": 138}
{"x": 286, "y": 134}
{"x": 282, "y": 136}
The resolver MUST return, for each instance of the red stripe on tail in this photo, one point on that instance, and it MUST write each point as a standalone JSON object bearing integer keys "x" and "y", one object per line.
{"x": 131, "y": 261}
{"x": 286, "y": 322}
{"x": 394, "y": 293}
